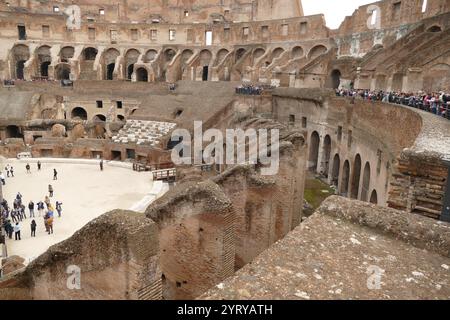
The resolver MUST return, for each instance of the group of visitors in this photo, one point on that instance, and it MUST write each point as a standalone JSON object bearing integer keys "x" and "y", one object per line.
{"x": 437, "y": 102}
{"x": 14, "y": 216}
{"x": 250, "y": 89}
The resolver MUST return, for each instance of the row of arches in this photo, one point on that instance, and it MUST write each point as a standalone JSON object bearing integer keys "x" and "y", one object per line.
{"x": 79, "y": 113}
{"x": 356, "y": 186}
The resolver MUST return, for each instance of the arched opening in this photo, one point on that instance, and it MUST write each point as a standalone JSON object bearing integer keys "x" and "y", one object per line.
{"x": 335, "y": 170}
{"x": 110, "y": 71}
{"x": 434, "y": 29}
{"x": 374, "y": 197}
{"x": 366, "y": 182}
{"x": 345, "y": 178}
{"x": 239, "y": 54}
{"x": 380, "y": 82}
{"x": 99, "y": 118}
{"x": 335, "y": 79}
{"x": 130, "y": 71}
{"x": 63, "y": 72}
{"x": 66, "y": 54}
{"x": 297, "y": 52}
{"x": 356, "y": 177}
{"x": 221, "y": 55}
{"x": 277, "y": 53}
{"x": 120, "y": 118}
{"x": 169, "y": 54}
{"x": 13, "y": 132}
{"x": 79, "y": 113}
{"x": 258, "y": 53}
{"x": 317, "y": 51}
{"x": 142, "y": 75}
{"x": 90, "y": 53}
{"x": 20, "y": 69}
{"x": 326, "y": 154}
{"x": 313, "y": 152}
{"x": 397, "y": 82}
{"x": 44, "y": 69}
{"x": 150, "y": 55}
{"x": 133, "y": 111}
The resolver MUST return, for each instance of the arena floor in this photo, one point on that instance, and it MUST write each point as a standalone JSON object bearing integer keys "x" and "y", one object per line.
{"x": 85, "y": 192}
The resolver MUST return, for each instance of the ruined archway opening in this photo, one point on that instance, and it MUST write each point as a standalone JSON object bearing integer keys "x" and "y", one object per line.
{"x": 366, "y": 183}
{"x": 110, "y": 71}
{"x": 120, "y": 118}
{"x": 99, "y": 118}
{"x": 345, "y": 178}
{"x": 374, "y": 197}
{"x": 142, "y": 75}
{"x": 335, "y": 171}
{"x": 90, "y": 54}
{"x": 79, "y": 113}
{"x": 130, "y": 71}
{"x": 434, "y": 29}
{"x": 356, "y": 177}
{"x": 14, "y": 132}
{"x": 314, "y": 152}
{"x": 335, "y": 79}
{"x": 20, "y": 67}
{"x": 63, "y": 72}
{"x": 205, "y": 72}
{"x": 44, "y": 69}
{"x": 326, "y": 156}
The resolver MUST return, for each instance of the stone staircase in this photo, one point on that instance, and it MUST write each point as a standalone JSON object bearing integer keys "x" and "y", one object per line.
{"x": 143, "y": 132}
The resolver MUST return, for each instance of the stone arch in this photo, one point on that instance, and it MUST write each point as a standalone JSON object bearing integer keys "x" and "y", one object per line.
{"x": 317, "y": 51}
{"x": 169, "y": 54}
{"x": 150, "y": 55}
{"x": 79, "y": 113}
{"x": 258, "y": 53}
{"x": 277, "y": 52}
{"x": 297, "y": 52}
{"x": 62, "y": 71}
{"x": 205, "y": 57}
{"x": 221, "y": 54}
{"x": 44, "y": 59}
{"x": 90, "y": 53}
{"x": 335, "y": 78}
{"x": 380, "y": 81}
{"x": 345, "y": 178}
{"x": 120, "y": 117}
{"x": 397, "y": 82}
{"x": 13, "y": 132}
{"x": 185, "y": 56}
{"x": 326, "y": 154}
{"x": 99, "y": 118}
{"x": 142, "y": 75}
{"x": 240, "y": 53}
{"x": 131, "y": 57}
{"x": 374, "y": 197}
{"x": 110, "y": 71}
{"x": 66, "y": 53}
{"x": 335, "y": 170}
{"x": 366, "y": 182}
{"x": 434, "y": 28}
{"x": 44, "y": 69}
{"x": 109, "y": 58}
{"x": 356, "y": 177}
{"x": 314, "y": 143}
{"x": 20, "y": 55}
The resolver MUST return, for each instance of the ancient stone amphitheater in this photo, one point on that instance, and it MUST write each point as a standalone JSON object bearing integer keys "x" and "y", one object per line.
{"x": 113, "y": 79}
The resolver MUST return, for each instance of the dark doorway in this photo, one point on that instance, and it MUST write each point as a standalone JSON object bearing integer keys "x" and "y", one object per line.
{"x": 335, "y": 171}
{"x": 142, "y": 75}
{"x": 131, "y": 154}
{"x": 130, "y": 71}
{"x": 374, "y": 197}
{"x": 314, "y": 151}
{"x": 90, "y": 53}
{"x": 20, "y": 69}
{"x": 63, "y": 72}
{"x": 79, "y": 113}
{"x": 110, "y": 71}
{"x": 116, "y": 155}
{"x": 326, "y": 155}
{"x": 335, "y": 79}
{"x": 44, "y": 69}
{"x": 345, "y": 178}
{"x": 22, "y": 32}
{"x": 13, "y": 132}
{"x": 356, "y": 177}
{"x": 205, "y": 73}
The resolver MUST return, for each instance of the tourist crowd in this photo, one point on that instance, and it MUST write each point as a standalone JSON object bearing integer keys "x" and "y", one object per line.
{"x": 14, "y": 216}
{"x": 250, "y": 89}
{"x": 437, "y": 102}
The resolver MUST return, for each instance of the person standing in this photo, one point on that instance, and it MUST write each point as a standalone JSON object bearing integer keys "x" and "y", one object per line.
{"x": 17, "y": 231}
{"x": 50, "y": 224}
{"x": 55, "y": 174}
{"x": 11, "y": 171}
{"x": 39, "y": 166}
{"x": 33, "y": 228}
{"x": 50, "y": 190}
{"x": 40, "y": 207}
{"x": 59, "y": 208}
{"x": 28, "y": 168}
{"x": 31, "y": 208}
{"x": 7, "y": 170}
{"x": 101, "y": 165}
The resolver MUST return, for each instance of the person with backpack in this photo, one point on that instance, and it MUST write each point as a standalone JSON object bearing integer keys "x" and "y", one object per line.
{"x": 31, "y": 208}
{"x": 33, "y": 228}
{"x": 50, "y": 190}
{"x": 59, "y": 208}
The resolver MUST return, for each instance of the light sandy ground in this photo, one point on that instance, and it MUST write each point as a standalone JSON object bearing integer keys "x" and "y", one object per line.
{"x": 85, "y": 192}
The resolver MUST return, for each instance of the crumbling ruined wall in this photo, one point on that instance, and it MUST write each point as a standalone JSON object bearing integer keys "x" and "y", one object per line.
{"x": 196, "y": 234}
{"x": 115, "y": 256}
{"x": 419, "y": 186}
